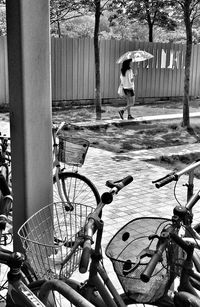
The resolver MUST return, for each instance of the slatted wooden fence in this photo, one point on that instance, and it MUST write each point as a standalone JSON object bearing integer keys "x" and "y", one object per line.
{"x": 73, "y": 70}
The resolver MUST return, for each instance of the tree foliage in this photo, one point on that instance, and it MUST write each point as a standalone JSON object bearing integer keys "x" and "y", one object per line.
{"x": 150, "y": 12}
{"x": 65, "y": 10}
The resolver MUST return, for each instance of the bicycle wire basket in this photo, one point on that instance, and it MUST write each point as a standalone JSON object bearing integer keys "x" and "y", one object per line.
{"x": 47, "y": 237}
{"x": 131, "y": 249}
{"x": 72, "y": 151}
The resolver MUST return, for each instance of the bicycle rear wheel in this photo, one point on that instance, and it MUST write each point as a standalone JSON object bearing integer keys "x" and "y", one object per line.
{"x": 76, "y": 188}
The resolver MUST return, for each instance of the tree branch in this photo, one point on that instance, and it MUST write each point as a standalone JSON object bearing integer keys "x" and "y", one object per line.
{"x": 61, "y": 18}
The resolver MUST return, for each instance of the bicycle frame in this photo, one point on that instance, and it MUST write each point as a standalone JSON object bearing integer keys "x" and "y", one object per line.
{"x": 97, "y": 274}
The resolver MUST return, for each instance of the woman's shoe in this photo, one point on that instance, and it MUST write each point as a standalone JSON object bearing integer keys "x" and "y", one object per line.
{"x": 130, "y": 117}
{"x": 121, "y": 114}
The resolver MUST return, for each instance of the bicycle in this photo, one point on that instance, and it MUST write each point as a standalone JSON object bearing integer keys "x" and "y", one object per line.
{"x": 130, "y": 250}
{"x": 184, "y": 211}
{"x": 21, "y": 287}
{"x": 187, "y": 294}
{"x": 69, "y": 249}
{"x": 68, "y": 186}
{"x": 71, "y": 187}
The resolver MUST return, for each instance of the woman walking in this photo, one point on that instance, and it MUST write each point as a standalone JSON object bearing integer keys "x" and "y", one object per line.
{"x": 127, "y": 78}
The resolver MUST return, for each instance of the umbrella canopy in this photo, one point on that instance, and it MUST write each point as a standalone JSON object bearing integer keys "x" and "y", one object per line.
{"x": 135, "y": 56}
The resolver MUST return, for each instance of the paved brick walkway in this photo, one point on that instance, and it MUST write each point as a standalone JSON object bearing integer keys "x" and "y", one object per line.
{"x": 138, "y": 199}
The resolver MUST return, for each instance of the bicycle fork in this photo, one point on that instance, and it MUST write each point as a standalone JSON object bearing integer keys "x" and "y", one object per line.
{"x": 109, "y": 295}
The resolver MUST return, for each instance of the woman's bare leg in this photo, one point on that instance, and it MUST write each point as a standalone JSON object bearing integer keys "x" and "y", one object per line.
{"x": 129, "y": 100}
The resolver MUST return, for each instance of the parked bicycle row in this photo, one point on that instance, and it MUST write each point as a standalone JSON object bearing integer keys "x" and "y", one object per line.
{"x": 150, "y": 255}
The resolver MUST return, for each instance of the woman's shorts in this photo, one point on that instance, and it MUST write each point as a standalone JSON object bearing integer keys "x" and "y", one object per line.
{"x": 129, "y": 92}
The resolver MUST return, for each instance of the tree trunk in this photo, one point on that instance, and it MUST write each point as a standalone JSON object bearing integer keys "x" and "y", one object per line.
{"x": 97, "y": 60}
{"x": 58, "y": 23}
{"x": 188, "y": 26}
{"x": 150, "y": 24}
{"x": 59, "y": 31}
{"x": 150, "y": 32}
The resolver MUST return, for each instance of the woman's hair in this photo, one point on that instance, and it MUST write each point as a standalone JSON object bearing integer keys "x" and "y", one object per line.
{"x": 125, "y": 66}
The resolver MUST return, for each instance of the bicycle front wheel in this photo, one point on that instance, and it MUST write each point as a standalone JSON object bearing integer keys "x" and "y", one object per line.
{"x": 76, "y": 189}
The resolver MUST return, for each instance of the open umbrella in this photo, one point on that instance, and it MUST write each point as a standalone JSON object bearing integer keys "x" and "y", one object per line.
{"x": 135, "y": 56}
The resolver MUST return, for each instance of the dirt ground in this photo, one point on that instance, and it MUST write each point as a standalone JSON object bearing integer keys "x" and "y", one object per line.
{"x": 121, "y": 139}
{"x": 111, "y": 112}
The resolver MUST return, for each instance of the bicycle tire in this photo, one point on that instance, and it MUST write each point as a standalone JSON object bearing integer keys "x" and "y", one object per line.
{"x": 79, "y": 189}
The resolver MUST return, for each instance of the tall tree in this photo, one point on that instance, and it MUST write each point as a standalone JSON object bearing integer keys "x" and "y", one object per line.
{"x": 59, "y": 10}
{"x": 97, "y": 59}
{"x": 190, "y": 12}
{"x": 97, "y": 6}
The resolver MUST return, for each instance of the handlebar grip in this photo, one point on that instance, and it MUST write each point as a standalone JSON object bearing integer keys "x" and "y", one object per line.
{"x": 166, "y": 180}
{"x": 127, "y": 180}
{"x": 119, "y": 184}
{"x": 85, "y": 257}
{"x": 146, "y": 275}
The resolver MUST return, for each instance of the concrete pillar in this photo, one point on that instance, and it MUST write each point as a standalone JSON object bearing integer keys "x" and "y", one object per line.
{"x": 30, "y": 107}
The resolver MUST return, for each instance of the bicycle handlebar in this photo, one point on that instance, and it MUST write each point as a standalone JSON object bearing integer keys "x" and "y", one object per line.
{"x": 165, "y": 180}
{"x": 175, "y": 175}
{"x": 85, "y": 257}
{"x": 147, "y": 273}
{"x": 93, "y": 219}
{"x": 120, "y": 184}
{"x": 188, "y": 247}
